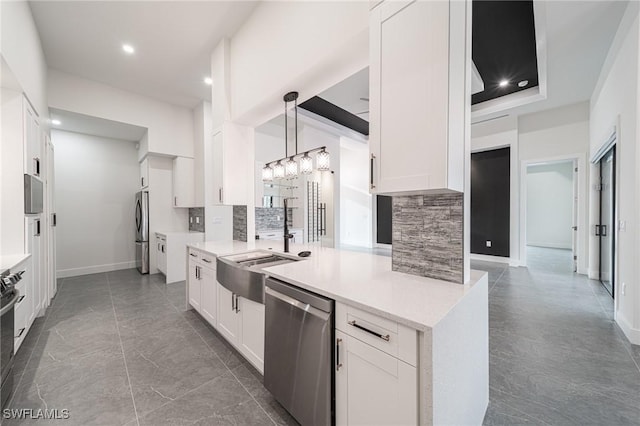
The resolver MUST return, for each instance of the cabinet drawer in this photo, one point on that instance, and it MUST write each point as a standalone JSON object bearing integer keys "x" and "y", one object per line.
{"x": 207, "y": 260}
{"x": 395, "y": 339}
{"x": 194, "y": 254}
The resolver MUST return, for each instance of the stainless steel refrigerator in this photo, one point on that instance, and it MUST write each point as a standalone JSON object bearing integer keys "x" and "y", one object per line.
{"x": 142, "y": 231}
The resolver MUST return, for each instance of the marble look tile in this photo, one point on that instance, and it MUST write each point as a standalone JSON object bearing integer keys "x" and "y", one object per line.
{"x": 221, "y": 401}
{"x": 500, "y": 414}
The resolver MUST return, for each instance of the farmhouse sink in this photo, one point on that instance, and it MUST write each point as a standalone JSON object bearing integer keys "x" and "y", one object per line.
{"x": 242, "y": 273}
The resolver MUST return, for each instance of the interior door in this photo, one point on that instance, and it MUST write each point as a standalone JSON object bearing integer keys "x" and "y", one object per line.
{"x": 574, "y": 228}
{"x": 605, "y": 230}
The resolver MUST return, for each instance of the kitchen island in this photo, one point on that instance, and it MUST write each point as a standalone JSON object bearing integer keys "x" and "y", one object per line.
{"x": 433, "y": 369}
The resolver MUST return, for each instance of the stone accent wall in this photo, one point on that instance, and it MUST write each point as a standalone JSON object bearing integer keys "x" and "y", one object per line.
{"x": 268, "y": 219}
{"x": 193, "y": 213}
{"x": 240, "y": 223}
{"x": 428, "y": 236}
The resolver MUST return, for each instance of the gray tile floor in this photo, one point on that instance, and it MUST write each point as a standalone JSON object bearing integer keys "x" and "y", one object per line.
{"x": 556, "y": 355}
{"x": 119, "y": 348}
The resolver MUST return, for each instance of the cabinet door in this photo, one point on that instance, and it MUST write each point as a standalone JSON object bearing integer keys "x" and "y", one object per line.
{"x": 228, "y": 318}
{"x": 193, "y": 282}
{"x": 33, "y": 233}
{"x": 409, "y": 91}
{"x": 217, "y": 160}
{"x": 209, "y": 293}
{"x": 183, "y": 182}
{"x": 251, "y": 336}
{"x": 32, "y": 148}
{"x": 373, "y": 387}
{"x": 144, "y": 173}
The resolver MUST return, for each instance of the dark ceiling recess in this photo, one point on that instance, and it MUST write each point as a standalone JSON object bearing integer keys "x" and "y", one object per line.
{"x": 504, "y": 47}
{"x": 332, "y": 112}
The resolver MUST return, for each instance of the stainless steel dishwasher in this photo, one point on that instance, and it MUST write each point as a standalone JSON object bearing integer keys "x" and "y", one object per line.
{"x": 298, "y": 352}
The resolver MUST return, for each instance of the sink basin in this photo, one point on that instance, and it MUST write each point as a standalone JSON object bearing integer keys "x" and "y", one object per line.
{"x": 242, "y": 273}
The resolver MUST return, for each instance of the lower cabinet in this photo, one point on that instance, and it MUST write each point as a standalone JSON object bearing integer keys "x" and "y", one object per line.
{"x": 24, "y": 308}
{"x": 241, "y": 322}
{"x": 208, "y": 294}
{"x": 194, "y": 287}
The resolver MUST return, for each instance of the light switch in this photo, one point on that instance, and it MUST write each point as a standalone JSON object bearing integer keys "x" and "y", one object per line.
{"x": 488, "y": 243}
{"x": 197, "y": 219}
{"x": 191, "y": 219}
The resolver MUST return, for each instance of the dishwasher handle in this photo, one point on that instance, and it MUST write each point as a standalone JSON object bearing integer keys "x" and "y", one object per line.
{"x": 296, "y": 303}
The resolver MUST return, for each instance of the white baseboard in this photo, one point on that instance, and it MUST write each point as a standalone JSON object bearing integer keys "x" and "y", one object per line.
{"x": 495, "y": 259}
{"x": 633, "y": 334}
{"x": 94, "y": 269}
{"x": 549, "y": 245}
{"x": 594, "y": 274}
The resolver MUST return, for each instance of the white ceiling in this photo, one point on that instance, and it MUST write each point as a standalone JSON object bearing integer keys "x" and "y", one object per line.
{"x": 88, "y": 125}
{"x": 173, "y": 42}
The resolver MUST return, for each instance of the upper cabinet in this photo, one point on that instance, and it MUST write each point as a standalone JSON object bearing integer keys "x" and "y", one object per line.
{"x": 183, "y": 182}
{"x": 232, "y": 174}
{"x": 419, "y": 95}
{"x": 32, "y": 141}
{"x": 144, "y": 173}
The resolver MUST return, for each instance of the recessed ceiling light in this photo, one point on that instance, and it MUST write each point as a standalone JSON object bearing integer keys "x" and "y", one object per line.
{"x": 503, "y": 83}
{"x": 208, "y": 80}
{"x": 56, "y": 122}
{"x": 523, "y": 83}
{"x": 128, "y": 49}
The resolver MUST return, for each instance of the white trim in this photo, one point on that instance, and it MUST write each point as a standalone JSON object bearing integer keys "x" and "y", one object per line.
{"x": 548, "y": 245}
{"x": 495, "y": 259}
{"x": 633, "y": 334}
{"x": 610, "y": 141}
{"x": 582, "y": 177}
{"x": 95, "y": 269}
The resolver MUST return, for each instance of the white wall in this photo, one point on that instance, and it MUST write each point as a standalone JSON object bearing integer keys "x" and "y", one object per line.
{"x": 615, "y": 100}
{"x": 356, "y": 203}
{"x": 22, "y": 50}
{"x": 556, "y": 134}
{"x": 170, "y": 127}
{"x": 96, "y": 179}
{"x": 550, "y": 205}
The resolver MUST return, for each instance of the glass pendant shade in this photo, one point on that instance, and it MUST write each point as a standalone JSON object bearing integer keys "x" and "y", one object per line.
{"x": 322, "y": 161}
{"x": 278, "y": 170}
{"x": 306, "y": 164}
{"x": 291, "y": 167}
{"x": 267, "y": 173}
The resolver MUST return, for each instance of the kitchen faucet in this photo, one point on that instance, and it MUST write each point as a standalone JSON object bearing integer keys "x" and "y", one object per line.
{"x": 287, "y": 235}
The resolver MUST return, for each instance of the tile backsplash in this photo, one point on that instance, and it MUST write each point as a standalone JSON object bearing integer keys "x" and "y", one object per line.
{"x": 196, "y": 219}
{"x": 427, "y": 237}
{"x": 240, "y": 223}
{"x": 268, "y": 219}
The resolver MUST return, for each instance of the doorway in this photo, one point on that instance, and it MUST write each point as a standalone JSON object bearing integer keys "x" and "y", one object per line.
{"x": 551, "y": 212}
{"x": 605, "y": 229}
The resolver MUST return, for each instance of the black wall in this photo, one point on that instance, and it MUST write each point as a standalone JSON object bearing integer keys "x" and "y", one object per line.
{"x": 490, "y": 202}
{"x": 383, "y": 219}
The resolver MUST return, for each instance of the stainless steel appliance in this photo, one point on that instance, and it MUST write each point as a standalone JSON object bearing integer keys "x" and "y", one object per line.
{"x": 142, "y": 231}
{"x": 32, "y": 195}
{"x": 298, "y": 352}
{"x": 9, "y": 296}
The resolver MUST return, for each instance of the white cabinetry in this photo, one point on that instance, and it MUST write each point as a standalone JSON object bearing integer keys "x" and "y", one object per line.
{"x": 419, "y": 94}
{"x": 241, "y": 322}
{"x": 170, "y": 253}
{"x": 34, "y": 247}
{"x": 161, "y": 253}
{"x": 376, "y": 374}
{"x": 194, "y": 295}
{"x": 23, "y": 310}
{"x": 144, "y": 173}
{"x": 202, "y": 285}
{"x": 232, "y": 174}
{"x": 183, "y": 182}
{"x": 32, "y": 141}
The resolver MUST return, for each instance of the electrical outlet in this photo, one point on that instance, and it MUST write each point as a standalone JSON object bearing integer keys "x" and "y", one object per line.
{"x": 277, "y": 217}
{"x": 488, "y": 243}
{"x": 197, "y": 219}
{"x": 624, "y": 288}
{"x": 191, "y": 219}
{"x": 622, "y": 225}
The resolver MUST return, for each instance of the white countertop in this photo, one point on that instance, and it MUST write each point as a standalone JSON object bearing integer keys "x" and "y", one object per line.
{"x": 362, "y": 280}
{"x": 178, "y": 232}
{"x": 11, "y": 260}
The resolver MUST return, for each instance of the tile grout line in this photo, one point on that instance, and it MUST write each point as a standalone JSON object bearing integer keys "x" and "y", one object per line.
{"x": 124, "y": 357}
{"x": 213, "y": 350}
{"x": 497, "y": 279}
{"x": 19, "y": 382}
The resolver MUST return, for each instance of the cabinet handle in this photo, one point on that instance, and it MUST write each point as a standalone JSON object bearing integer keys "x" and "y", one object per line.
{"x": 338, "y": 363}
{"x": 371, "y": 185}
{"x": 197, "y": 272}
{"x": 54, "y": 219}
{"x": 163, "y": 248}
{"x": 603, "y": 229}
{"x": 175, "y": 201}
{"x": 237, "y": 309}
{"x": 193, "y": 255}
{"x": 36, "y": 166}
{"x": 37, "y": 228}
{"x": 597, "y": 230}
{"x": 358, "y": 326}
{"x": 142, "y": 180}
{"x": 206, "y": 260}
{"x": 233, "y": 305}
{"x": 220, "y": 194}
{"x": 20, "y": 299}
{"x": 20, "y": 334}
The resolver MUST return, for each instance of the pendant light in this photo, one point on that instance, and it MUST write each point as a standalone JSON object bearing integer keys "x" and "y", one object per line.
{"x": 291, "y": 168}
{"x": 267, "y": 173}
{"x": 278, "y": 170}
{"x": 306, "y": 164}
{"x": 323, "y": 161}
